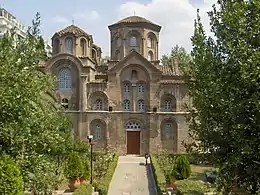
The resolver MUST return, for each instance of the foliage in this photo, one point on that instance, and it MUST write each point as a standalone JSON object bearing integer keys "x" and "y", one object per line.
{"x": 102, "y": 185}
{"x": 225, "y": 88}
{"x": 86, "y": 169}
{"x": 33, "y": 129}
{"x": 158, "y": 174}
{"x": 181, "y": 169}
{"x": 179, "y": 54}
{"x": 166, "y": 161}
{"x": 101, "y": 163}
{"x": 188, "y": 187}
{"x": 11, "y": 179}
{"x": 73, "y": 166}
{"x": 84, "y": 189}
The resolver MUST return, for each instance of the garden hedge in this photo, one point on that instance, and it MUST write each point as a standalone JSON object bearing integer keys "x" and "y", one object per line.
{"x": 102, "y": 185}
{"x": 84, "y": 189}
{"x": 158, "y": 175}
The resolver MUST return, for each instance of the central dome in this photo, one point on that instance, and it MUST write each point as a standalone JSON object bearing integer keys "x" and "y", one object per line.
{"x": 134, "y": 19}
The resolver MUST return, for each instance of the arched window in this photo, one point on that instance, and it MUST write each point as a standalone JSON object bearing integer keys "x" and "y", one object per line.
{"x": 56, "y": 48}
{"x": 150, "y": 56}
{"x": 126, "y": 87}
{"x": 168, "y": 106}
{"x": 98, "y": 132}
{"x": 141, "y": 105}
{"x": 93, "y": 54}
{"x": 134, "y": 74}
{"x": 140, "y": 88}
{"x": 117, "y": 55}
{"x": 99, "y": 104}
{"x": 133, "y": 126}
{"x": 168, "y": 130}
{"x": 149, "y": 42}
{"x": 65, "y": 103}
{"x": 83, "y": 45}
{"x": 133, "y": 41}
{"x": 64, "y": 79}
{"x": 69, "y": 45}
{"x": 126, "y": 105}
{"x": 118, "y": 41}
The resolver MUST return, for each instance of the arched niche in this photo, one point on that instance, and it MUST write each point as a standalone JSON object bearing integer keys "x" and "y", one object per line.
{"x": 169, "y": 134}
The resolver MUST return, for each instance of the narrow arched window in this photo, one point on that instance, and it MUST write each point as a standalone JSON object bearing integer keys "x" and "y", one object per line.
{"x": 149, "y": 42}
{"x": 117, "y": 55}
{"x": 56, "y": 48}
{"x": 64, "y": 79}
{"x": 150, "y": 56}
{"x": 141, "y": 105}
{"x": 69, "y": 45}
{"x": 94, "y": 54}
{"x": 83, "y": 45}
{"x": 133, "y": 41}
{"x": 126, "y": 105}
{"x": 99, "y": 104}
{"x": 168, "y": 106}
{"x": 98, "y": 132}
{"x": 168, "y": 131}
{"x": 126, "y": 87}
{"x": 141, "y": 88}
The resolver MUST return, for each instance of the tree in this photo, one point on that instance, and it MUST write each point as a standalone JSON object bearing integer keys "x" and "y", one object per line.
{"x": 225, "y": 89}
{"x": 32, "y": 125}
{"x": 180, "y": 54}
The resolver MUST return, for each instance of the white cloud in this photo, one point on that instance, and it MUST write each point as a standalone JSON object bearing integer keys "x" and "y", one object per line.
{"x": 60, "y": 20}
{"x": 87, "y": 16}
{"x": 175, "y": 16}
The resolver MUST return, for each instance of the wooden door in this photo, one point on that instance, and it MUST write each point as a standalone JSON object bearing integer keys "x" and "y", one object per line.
{"x": 133, "y": 142}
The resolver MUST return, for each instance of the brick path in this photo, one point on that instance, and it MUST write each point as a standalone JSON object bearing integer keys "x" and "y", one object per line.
{"x": 132, "y": 177}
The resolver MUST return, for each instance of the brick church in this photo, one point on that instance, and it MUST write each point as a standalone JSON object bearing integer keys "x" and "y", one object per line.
{"x": 130, "y": 103}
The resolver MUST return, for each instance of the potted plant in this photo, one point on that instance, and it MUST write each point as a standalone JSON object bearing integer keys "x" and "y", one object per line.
{"x": 73, "y": 170}
{"x": 86, "y": 173}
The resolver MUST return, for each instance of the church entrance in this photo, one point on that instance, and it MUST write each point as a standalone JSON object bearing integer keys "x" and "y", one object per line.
{"x": 133, "y": 142}
{"x": 133, "y": 130}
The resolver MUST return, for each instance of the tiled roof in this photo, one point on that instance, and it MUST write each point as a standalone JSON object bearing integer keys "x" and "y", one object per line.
{"x": 134, "y": 19}
{"x": 73, "y": 30}
{"x": 171, "y": 70}
{"x": 172, "y": 81}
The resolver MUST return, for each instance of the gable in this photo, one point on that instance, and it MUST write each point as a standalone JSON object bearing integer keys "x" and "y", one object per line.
{"x": 134, "y": 58}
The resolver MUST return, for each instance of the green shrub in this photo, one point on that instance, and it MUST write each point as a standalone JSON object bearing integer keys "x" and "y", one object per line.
{"x": 159, "y": 177}
{"x": 102, "y": 185}
{"x": 182, "y": 169}
{"x": 84, "y": 189}
{"x": 86, "y": 169}
{"x": 73, "y": 166}
{"x": 11, "y": 180}
{"x": 188, "y": 187}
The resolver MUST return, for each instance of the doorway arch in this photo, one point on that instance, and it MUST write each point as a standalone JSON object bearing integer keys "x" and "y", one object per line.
{"x": 133, "y": 141}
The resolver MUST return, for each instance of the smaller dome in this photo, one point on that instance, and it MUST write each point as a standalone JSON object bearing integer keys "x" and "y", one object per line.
{"x": 72, "y": 29}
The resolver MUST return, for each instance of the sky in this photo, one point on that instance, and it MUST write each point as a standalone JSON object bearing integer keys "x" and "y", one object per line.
{"x": 175, "y": 16}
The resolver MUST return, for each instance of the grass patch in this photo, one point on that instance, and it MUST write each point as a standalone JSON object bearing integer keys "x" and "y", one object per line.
{"x": 84, "y": 189}
{"x": 198, "y": 172}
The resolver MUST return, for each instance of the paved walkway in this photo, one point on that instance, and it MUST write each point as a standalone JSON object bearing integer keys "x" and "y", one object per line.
{"x": 132, "y": 177}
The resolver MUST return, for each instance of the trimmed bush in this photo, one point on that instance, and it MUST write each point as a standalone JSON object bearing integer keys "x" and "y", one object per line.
{"x": 73, "y": 166}
{"x": 84, "y": 189}
{"x": 188, "y": 187}
{"x": 102, "y": 185}
{"x": 159, "y": 177}
{"x": 182, "y": 169}
{"x": 86, "y": 169}
{"x": 11, "y": 179}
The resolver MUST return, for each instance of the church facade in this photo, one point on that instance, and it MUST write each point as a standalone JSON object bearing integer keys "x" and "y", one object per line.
{"x": 130, "y": 103}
